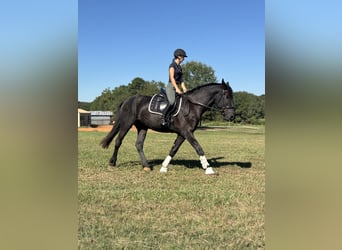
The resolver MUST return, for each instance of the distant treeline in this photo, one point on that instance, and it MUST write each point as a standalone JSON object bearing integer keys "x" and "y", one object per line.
{"x": 249, "y": 108}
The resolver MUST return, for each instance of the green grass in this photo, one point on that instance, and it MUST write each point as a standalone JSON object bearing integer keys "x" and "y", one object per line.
{"x": 127, "y": 208}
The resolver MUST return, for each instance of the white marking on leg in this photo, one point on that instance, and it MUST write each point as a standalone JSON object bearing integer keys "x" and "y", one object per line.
{"x": 165, "y": 163}
{"x": 204, "y": 162}
{"x": 209, "y": 170}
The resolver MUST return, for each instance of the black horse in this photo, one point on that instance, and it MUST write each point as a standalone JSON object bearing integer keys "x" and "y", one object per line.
{"x": 135, "y": 111}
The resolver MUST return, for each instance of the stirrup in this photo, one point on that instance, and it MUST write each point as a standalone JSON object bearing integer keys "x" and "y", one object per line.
{"x": 163, "y": 122}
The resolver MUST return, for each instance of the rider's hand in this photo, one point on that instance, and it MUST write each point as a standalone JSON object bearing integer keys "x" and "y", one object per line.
{"x": 183, "y": 87}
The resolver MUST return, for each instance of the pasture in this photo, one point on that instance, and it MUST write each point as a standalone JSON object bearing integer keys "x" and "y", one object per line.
{"x": 127, "y": 208}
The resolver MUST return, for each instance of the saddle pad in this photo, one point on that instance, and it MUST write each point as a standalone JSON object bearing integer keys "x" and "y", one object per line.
{"x": 158, "y": 104}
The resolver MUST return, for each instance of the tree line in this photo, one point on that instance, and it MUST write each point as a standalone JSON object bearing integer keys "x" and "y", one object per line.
{"x": 249, "y": 108}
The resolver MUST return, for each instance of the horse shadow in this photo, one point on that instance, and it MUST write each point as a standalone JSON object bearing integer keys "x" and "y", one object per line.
{"x": 214, "y": 162}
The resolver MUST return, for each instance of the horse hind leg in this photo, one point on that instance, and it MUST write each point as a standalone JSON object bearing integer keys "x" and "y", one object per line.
{"x": 118, "y": 142}
{"x": 124, "y": 124}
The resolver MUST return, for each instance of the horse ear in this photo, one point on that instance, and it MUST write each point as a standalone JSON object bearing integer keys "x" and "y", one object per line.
{"x": 225, "y": 84}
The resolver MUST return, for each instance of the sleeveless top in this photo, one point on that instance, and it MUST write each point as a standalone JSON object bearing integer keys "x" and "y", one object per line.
{"x": 178, "y": 72}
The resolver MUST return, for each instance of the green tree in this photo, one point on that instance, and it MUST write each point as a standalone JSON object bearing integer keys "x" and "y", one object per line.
{"x": 196, "y": 73}
{"x": 153, "y": 87}
{"x": 84, "y": 105}
{"x": 136, "y": 86}
{"x": 249, "y": 108}
{"x": 104, "y": 101}
{"x": 119, "y": 94}
{"x": 142, "y": 87}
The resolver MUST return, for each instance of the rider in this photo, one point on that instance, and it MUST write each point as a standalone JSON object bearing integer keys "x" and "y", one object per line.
{"x": 175, "y": 80}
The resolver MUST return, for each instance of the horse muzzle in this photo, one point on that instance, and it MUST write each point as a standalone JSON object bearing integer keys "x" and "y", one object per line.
{"x": 229, "y": 114}
{"x": 229, "y": 118}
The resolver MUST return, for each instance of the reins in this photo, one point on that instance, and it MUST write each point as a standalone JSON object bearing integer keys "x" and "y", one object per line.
{"x": 209, "y": 107}
{"x": 203, "y": 105}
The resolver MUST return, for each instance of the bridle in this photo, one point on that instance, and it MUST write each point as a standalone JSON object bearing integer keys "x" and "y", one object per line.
{"x": 221, "y": 109}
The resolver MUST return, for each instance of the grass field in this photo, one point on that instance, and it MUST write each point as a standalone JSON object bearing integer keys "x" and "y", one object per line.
{"x": 127, "y": 208}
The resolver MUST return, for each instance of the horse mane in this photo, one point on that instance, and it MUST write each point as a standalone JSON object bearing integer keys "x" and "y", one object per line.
{"x": 201, "y": 86}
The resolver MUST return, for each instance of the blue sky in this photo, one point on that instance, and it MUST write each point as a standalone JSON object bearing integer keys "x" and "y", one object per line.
{"x": 123, "y": 39}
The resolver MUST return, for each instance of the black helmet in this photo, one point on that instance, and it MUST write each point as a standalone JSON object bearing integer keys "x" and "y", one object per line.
{"x": 179, "y": 52}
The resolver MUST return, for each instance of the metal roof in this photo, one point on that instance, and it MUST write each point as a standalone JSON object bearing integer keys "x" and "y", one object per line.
{"x": 82, "y": 111}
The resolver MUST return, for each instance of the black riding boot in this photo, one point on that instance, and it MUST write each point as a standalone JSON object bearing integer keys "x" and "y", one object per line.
{"x": 165, "y": 115}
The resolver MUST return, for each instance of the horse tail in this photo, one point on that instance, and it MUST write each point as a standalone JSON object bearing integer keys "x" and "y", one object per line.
{"x": 105, "y": 142}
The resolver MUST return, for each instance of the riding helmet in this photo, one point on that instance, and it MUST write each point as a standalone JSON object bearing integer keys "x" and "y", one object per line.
{"x": 179, "y": 52}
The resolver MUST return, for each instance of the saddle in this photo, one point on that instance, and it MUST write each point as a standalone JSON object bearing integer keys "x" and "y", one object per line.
{"x": 159, "y": 102}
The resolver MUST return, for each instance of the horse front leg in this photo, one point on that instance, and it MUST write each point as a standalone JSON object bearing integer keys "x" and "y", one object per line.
{"x": 195, "y": 144}
{"x": 176, "y": 145}
{"x": 140, "y": 147}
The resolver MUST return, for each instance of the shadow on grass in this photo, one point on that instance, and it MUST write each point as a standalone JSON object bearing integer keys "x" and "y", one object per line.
{"x": 196, "y": 163}
{"x": 191, "y": 163}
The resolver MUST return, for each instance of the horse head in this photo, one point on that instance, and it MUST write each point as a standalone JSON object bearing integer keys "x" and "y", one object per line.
{"x": 226, "y": 102}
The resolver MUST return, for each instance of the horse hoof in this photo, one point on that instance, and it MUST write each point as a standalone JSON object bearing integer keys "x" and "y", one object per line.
{"x": 210, "y": 171}
{"x": 111, "y": 168}
{"x": 147, "y": 169}
{"x": 213, "y": 174}
{"x": 163, "y": 170}
{"x": 111, "y": 163}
